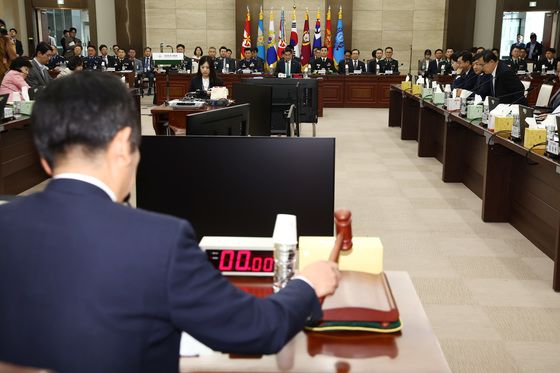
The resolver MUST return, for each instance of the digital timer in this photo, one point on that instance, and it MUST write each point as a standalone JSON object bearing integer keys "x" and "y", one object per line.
{"x": 240, "y": 256}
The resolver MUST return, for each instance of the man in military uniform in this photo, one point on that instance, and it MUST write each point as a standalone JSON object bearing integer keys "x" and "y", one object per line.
{"x": 248, "y": 63}
{"x": 260, "y": 61}
{"x": 187, "y": 61}
{"x": 92, "y": 61}
{"x": 323, "y": 63}
{"x": 56, "y": 59}
{"x": 388, "y": 65}
{"x": 548, "y": 62}
{"x": 122, "y": 63}
{"x": 106, "y": 60}
{"x": 515, "y": 62}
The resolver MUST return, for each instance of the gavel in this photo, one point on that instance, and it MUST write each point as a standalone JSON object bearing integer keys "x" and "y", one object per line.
{"x": 343, "y": 223}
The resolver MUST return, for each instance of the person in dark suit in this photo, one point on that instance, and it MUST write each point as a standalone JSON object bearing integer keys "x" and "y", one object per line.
{"x": 122, "y": 63}
{"x": 260, "y": 61}
{"x": 534, "y": 48}
{"x": 288, "y": 65}
{"x": 225, "y": 63}
{"x": 206, "y": 76}
{"x": 354, "y": 64}
{"x": 106, "y": 59}
{"x": 374, "y": 66}
{"x": 187, "y": 61}
{"x": 56, "y": 59}
{"x": 548, "y": 62}
{"x": 92, "y": 61}
{"x": 466, "y": 76}
{"x": 388, "y": 65}
{"x": 316, "y": 55}
{"x": 482, "y": 86}
{"x": 506, "y": 85}
{"x": 148, "y": 68}
{"x": 515, "y": 62}
{"x": 248, "y": 63}
{"x": 65, "y": 34}
{"x": 323, "y": 63}
{"x": 434, "y": 67}
{"x": 518, "y": 44}
{"x": 19, "y": 46}
{"x": 103, "y": 287}
{"x": 38, "y": 76}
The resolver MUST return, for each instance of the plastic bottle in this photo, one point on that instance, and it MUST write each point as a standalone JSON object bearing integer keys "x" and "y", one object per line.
{"x": 285, "y": 250}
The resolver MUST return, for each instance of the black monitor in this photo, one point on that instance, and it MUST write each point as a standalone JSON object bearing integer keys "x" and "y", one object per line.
{"x": 260, "y": 98}
{"x": 228, "y": 121}
{"x": 235, "y": 186}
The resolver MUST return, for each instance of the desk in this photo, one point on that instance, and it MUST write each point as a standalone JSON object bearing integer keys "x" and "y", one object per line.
{"x": 19, "y": 162}
{"x": 515, "y": 186}
{"x": 175, "y": 117}
{"x": 415, "y": 349}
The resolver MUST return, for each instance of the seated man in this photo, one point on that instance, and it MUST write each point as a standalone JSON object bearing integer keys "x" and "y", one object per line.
{"x": 548, "y": 62}
{"x": 447, "y": 62}
{"x": 514, "y": 62}
{"x": 287, "y": 65}
{"x": 483, "y": 81}
{"x": 148, "y": 68}
{"x": 92, "y": 61}
{"x": 260, "y": 61}
{"x": 38, "y": 76}
{"x": 354, "y": 64}
{"x": 435, "y": 65}
{"x": 316, "y": 55}
{"x": 225, "y": 63}
{"x": 56, "y": 59}
{"x": 388, "y": 65}
{"x": 248, "y": 63}
{"x": 346, "y": 59}
{"x": 104, "y": 287}
{"x": 323, "y": 63}
{"x": 122, "y": 63}
{"x": 187, "y": 61}
{"x": 374, "y": 66}
{"x": 506, "y": 85}
{"x": 466, "y": 78}
{"x": 106, "y": 60}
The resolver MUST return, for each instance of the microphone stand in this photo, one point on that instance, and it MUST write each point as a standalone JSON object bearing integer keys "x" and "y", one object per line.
{"x": 410, "y": 63}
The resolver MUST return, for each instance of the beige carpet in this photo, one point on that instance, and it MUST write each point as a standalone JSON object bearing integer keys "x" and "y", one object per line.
{"x": 486, "y": 289}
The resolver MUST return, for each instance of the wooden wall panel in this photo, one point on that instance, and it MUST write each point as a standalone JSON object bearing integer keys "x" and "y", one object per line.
{"x": 130, "y": 24}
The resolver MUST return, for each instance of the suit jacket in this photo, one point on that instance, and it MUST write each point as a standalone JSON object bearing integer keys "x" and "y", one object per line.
{"x": 537, "y": 51}
{"x": 342, "y": 66}
{"x": 250, "y": 64}
{"x": 295, "y": 67}
{"x": 465, "y": 81}
{"x": 434, "y": 67}
{"x": 372, "y": 66}
{"x": 392, "y": 65}
{"x": 483, "y": 86}
{"x": 88, "y": 285}
{"x": 37, "y": 78}
{"x": 507, "y": 86}
{"x": 196, "y": 84}
{"x": 319, "y": 64}
{"x": 545, "y": 64}
{"x": 124, "y": 64}
{"x": 148, "y": 64}
{"x": 19, "y": 47}
{"x": 516, "y": 65}
{"x": 92, "y": 63}
{"x": 109, "y": 60}
{"x": 230, "y": 62}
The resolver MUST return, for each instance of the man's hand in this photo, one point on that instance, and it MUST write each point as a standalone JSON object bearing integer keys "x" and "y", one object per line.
{"x": 324, "y": 275}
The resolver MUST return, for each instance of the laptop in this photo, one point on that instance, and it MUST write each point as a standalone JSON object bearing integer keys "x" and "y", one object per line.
{"x": 524, "y": 113}
{"x": 3, "y": 101}
{"x": 493, "y": 102}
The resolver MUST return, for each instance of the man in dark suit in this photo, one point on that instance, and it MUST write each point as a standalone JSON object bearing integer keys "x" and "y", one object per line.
{"x": 187, "y": 61}
{"x": 534, "y": 48}
{"x": 323, "y": 63}
{"x": 225, "y": 64}
{"x": 106, "y": 59}
{"x": 548, "y": 62}
{"x": 434, "y": 67}
{"x": 518, "y": 44}
{"x": 315, "y": 56}
{"x": 506, "y": 85}
{"x": 122, "y": 63}
{"x": 515, "y": 62}
{"x": 88, "y": 284}
{"x": 260, "y": 61}
{"x": 287, "y": 65}
{"x": 70, "y": 42}
{"x": 467, "y": 77}
{"x": 388, "y": 65}
{"x": 38, "y": 76}
{"x": 19, "y": 46}
{"x": 354, "y": 64}
{"x": 65, "y": 34}
{"x": 373, "y": 66}
{"x": 148, "y": 68}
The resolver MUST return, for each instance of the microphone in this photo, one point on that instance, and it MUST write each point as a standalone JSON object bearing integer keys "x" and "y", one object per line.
{"x": 161, "y": 47}
{"x": 517, "y": 100}
{"x": 169, "y": 46}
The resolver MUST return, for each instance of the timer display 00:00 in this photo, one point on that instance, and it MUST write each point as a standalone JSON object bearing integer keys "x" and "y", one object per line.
{"x": 242, "y": 261}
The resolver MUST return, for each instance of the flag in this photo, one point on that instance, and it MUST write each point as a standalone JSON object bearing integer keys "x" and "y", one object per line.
{"x": 271, "y": 56}
{"x": 317, "y": 39}
{"x": 339, "y": 40}
{"x": 293, "y": 36}
{"x": 260, "y": 36}
{"x": 305, "y": 42}
{"x": 328, "y": 36}
{"x": 246, "y": 43}
{"x": 281, "y": 36}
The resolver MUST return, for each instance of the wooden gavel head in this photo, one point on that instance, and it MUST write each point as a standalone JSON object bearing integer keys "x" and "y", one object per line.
{"x": 343, "y": 222}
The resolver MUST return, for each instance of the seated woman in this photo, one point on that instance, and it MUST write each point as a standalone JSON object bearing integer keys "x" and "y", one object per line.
{"x": 196, "y": 58}
{"x": 14, "y": 80}
{"x": 206, "y": 77}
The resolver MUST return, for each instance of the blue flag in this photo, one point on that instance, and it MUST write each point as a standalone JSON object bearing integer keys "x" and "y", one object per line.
{"x": 339, "y": 40}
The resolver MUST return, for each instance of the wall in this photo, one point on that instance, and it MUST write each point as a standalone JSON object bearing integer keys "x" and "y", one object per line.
{"x": 399, "y": 24}
{"x": 106, "y": 25}
{"x": 484, "y": 24}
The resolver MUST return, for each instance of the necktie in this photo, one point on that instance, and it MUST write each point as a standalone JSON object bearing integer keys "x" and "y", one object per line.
{"x": 288, "y": 69}
{"x": 355, "y": 65}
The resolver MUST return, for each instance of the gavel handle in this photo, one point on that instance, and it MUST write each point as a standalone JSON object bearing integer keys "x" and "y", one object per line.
{"x": 335, "y": 253}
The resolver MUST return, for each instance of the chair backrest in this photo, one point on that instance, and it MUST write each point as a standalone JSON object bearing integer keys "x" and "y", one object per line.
{"x": 544, "y": 95}
{"x": 526, "y": 84}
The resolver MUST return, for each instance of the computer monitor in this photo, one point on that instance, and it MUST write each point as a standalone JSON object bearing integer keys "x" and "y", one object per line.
{"x": 235, "y": 186}
{"x": 260, "y": 98}
{"x": 3, "y": 101}
{"x": 228, "y": 121}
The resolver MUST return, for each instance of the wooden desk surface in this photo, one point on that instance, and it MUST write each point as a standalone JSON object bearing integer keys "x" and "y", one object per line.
{"x": 415, "y": 349}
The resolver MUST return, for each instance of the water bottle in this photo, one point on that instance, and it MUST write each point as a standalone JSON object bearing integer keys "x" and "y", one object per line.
{"x": 227, "y": 68}
{"x": 463, "y": 112}
{"x": 306, "y": 72}
{"x": 16, "y": 97}
{"x": 442, "y": 69}
{"x": 103, "y": 66}
{"x": 347, "y": 69}
{"x": 285, "y": 245}
{"x": 377, "y": 69}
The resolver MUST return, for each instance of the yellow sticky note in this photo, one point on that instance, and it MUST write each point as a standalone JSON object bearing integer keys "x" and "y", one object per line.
{"x": 534, "y": 136}
{"x": 366, "y": 254}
